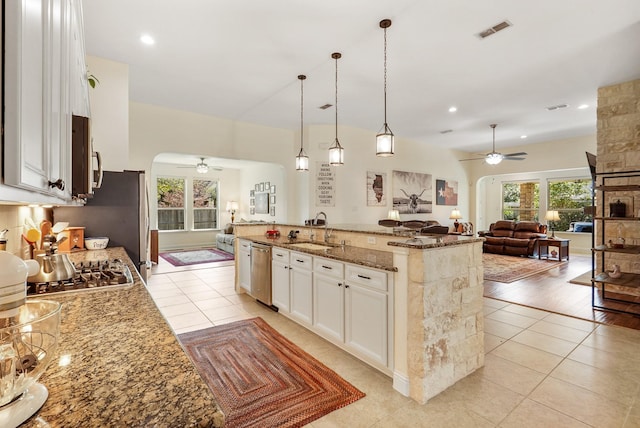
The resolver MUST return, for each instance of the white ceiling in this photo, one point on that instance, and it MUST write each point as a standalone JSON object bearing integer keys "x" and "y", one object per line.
{"x": 240, "y": 60}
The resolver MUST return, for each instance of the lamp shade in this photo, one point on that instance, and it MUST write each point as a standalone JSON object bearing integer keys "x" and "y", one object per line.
{"x": 552, "y": 216}
{"x": 393, "y": 215}
{"x": 232, "y": 206}
{"x": 455, "y": 214}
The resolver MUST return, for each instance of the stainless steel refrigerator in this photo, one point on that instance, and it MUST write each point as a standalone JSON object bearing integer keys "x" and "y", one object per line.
{"x": 118, "y": 210}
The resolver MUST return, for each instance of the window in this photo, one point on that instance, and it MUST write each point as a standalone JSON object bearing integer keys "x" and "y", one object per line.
{"x": 520, "y": 200}
{"x": 205, "y": 204}
{"x": 177, "y": 209}
{"x": 171, "y": 205}
{"x": 569, "y": 198}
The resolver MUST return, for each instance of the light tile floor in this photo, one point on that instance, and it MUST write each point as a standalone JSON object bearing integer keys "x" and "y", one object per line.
{"x": 541, "y": 369}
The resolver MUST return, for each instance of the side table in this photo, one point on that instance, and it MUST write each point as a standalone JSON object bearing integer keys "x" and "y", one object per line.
{"x": 561, "y": 244}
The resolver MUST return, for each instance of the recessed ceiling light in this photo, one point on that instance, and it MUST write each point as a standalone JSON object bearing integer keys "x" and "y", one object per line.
{"x": 453, "y": 109}
{"x": 523, "y": 137}
{"x": 583, "y": 106}
{"x": 147, "y": 39}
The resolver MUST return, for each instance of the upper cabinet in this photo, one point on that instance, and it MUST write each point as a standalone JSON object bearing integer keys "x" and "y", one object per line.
{"x": 43, "y": 40}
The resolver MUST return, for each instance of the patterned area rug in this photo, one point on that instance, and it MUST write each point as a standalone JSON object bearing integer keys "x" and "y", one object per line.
{"x": 194, "y": 257}
{"x": 261, "y": 379}
{"x": 508, "y": 269}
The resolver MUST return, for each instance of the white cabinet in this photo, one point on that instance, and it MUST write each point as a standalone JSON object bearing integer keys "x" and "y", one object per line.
{"x": 244, "y": 264}
{"x": 37, "y": 86}
{"x": 79, "y": 90}
{"x": 301, "y": 287}
{"x": 328, "y": 298}
{"x": 368, "y": 313}
{"x": 280, "y": 294}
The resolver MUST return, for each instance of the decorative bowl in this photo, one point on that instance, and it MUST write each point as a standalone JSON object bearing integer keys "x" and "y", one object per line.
{"x": 99, "y": 243}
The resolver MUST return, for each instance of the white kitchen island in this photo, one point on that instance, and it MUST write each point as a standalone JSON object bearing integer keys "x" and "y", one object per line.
{"x": 435, "y": 316}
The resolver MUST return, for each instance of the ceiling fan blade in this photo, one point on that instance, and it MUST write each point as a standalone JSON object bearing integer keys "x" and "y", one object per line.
{"x": 462, "y": 160}
{"x": 511, "y": 158}
{"x": 515, "y": 154}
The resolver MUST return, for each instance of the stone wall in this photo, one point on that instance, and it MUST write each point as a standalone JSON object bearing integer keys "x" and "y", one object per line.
{"x": 619, "y": 151}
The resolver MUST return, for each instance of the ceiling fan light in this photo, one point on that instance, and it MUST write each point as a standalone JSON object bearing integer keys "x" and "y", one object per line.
{"x": 384, "y": 142}
{"x": 202, "y": 168}
{"x": 494, "y": 158}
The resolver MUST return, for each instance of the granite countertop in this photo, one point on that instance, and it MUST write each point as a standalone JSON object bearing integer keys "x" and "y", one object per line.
{"x": 361, "y": 256}
{"x": 126, "y": 366}
{"x": 434, "y": 241}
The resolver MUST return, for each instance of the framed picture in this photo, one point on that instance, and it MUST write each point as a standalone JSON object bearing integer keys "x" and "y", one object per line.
{"x": 446, "y": 192}
{"x": 252, "y": 202}
{"x": 257, "y": 188}
{"x": 267, "y": 186}
{"x": 252, "y": 193}
{"x": 376, "y": 189}
{"x": 252, "y": 210}
{"x": 272, "y": 199}
{"x": 262, "y": 203}
{"x": 412, "y": 192}
{"x": 260, "y": 187}
{"x": 273, "y": 188}
{"x": 273, "y": 211}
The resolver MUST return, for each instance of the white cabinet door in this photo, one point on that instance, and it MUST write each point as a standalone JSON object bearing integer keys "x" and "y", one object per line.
{"x": 79, "y": 88}
{"x": 244, "y": 265}
{"x": 367, "y": 312}
{"x": 280, "y": 294}
{"x": 366, "y": 322}
{"x": 37, "y": 122}
{"x": 26, "y": 162}
{"x": 301, "y": 287}
{"x": 328, "y": 305}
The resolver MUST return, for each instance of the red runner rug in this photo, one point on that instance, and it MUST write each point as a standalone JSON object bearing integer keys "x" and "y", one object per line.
{"x": 261, "y": 379}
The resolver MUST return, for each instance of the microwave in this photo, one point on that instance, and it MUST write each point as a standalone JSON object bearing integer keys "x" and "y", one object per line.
{"x": 85, "y": 175}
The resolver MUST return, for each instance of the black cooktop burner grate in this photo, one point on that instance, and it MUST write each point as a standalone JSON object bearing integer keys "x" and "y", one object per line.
{"x": 89, "y": 275}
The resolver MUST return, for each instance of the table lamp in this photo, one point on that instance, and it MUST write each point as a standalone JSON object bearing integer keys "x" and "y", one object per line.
{"x": 232, "y": 207}
{"x": 455, "y": 215}
{"x": 551, "y": 217}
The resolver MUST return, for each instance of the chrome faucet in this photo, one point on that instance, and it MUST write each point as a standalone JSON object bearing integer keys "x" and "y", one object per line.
{"x": 327, "y": 234}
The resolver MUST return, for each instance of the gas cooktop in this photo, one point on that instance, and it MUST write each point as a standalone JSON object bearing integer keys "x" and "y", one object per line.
{"x": 90, "y": 275}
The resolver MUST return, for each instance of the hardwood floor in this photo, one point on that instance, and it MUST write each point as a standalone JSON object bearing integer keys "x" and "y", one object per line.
{"x": 552, "y": 291}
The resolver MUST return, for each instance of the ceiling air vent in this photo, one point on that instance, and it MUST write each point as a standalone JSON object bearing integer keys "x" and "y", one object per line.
{"x": 326, "y": 106}
{"x": 557, "y": 107}
{"x": 446, "y": 131}
{"x": 493, "y": 30}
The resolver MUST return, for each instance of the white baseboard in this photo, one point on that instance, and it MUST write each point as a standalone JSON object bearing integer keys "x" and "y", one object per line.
{"x": 401, "y": 384}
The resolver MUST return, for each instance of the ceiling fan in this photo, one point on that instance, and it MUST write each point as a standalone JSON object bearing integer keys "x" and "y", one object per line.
{"x": 493, "y": 157}
{"x": 201, "y": 167}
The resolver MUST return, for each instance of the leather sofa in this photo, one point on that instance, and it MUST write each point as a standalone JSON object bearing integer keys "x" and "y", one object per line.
{"x": 513, "y": 238}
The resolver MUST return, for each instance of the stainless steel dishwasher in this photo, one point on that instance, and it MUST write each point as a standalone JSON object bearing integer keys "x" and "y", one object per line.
{"x": 261, "y": 273}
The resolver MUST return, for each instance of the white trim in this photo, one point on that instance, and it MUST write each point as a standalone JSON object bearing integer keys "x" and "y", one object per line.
{"x": 401, "y": 383}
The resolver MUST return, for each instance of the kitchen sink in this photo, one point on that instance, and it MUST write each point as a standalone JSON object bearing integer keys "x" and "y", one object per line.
{"x": 311, "y": 246}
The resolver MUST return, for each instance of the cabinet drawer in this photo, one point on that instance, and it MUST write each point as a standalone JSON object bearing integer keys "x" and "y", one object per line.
{"x": 280, "y": 255}
{"x": 301, "y": 261}
{"x": 370, "y": 278}
{"x": 244, "y": 245}
{"x": 328, "y": 267}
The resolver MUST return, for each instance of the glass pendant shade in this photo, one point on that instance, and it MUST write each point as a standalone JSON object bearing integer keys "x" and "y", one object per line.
{"x": 336, "y": 154}
{"x": 384, "y": 142}
{"x": 302, "y": 161}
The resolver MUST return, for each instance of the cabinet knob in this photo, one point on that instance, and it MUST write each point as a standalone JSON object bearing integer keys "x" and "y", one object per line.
{"x": 59, "y": 183}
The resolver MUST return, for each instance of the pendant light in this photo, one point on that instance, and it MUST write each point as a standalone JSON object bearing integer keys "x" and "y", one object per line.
{"x": 384, "y": 140}
{"x": 302, "y": 160}
{"x": 336, "y": 152}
